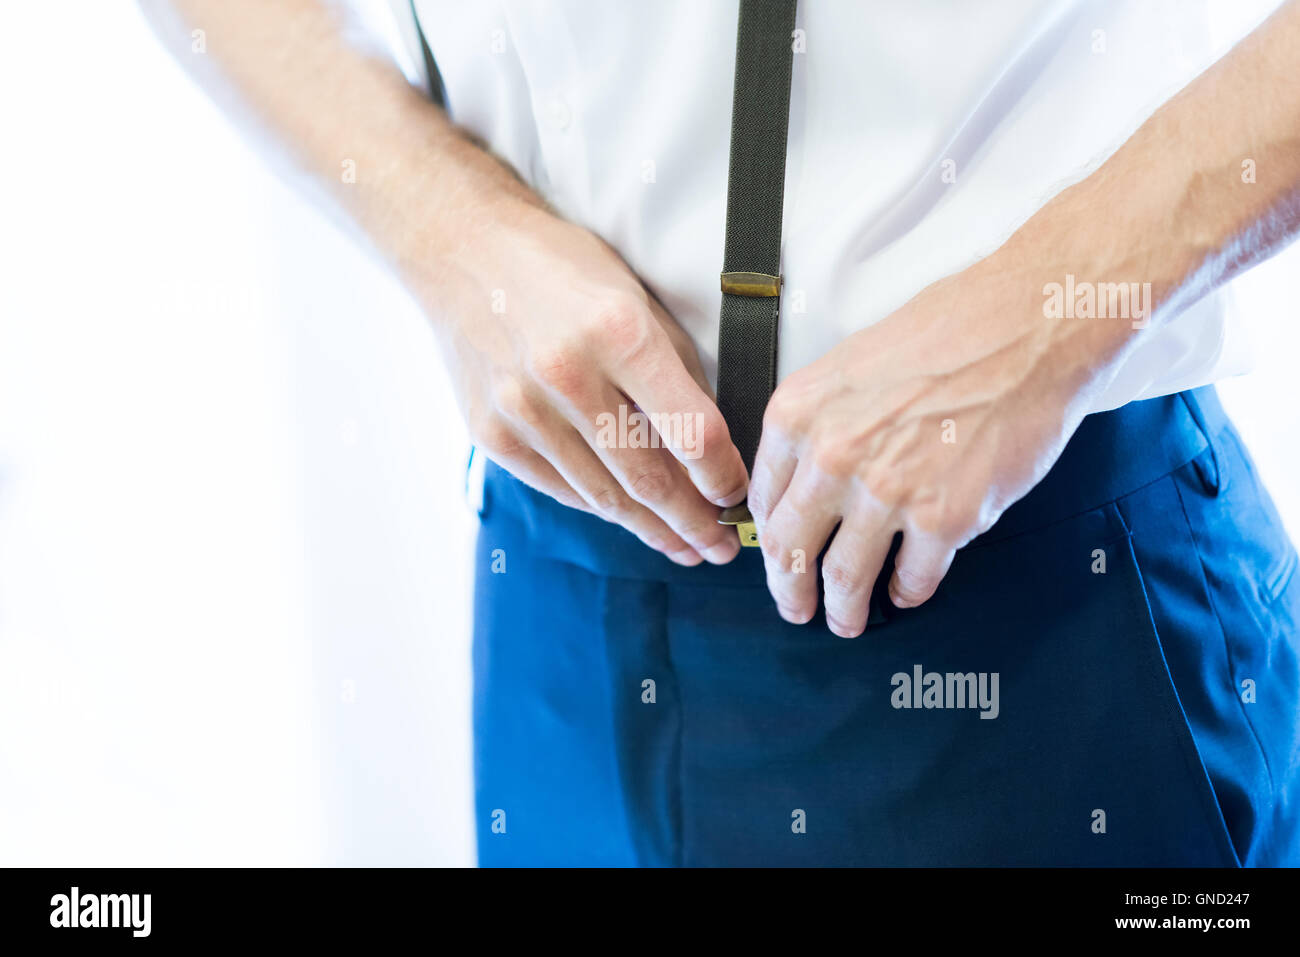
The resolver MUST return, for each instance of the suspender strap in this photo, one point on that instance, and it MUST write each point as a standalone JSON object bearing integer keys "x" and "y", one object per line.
{"x": 751, "y": 276}
{"x": 437, "y": 92}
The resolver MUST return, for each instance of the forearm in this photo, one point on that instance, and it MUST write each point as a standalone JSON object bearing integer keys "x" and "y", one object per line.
{"x": 1207, "y": 187}
{"x": 292, "y": 73}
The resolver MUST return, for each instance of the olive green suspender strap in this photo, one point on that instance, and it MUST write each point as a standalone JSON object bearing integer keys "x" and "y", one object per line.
{"x": 437, "y": 92}
{"x": 751, "y": 264}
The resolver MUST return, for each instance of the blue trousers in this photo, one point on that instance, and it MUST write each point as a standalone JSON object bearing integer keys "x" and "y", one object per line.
{"x": 1106, "y": 677}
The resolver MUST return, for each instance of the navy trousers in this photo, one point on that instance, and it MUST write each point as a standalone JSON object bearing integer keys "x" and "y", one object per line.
{"x": 1106, "y": 677}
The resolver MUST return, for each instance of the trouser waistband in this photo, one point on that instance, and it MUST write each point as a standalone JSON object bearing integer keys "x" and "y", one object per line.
{"x": 1111, "y": 454}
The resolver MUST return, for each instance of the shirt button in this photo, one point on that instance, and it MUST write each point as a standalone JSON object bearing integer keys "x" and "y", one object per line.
{"x": 560, "y": 114}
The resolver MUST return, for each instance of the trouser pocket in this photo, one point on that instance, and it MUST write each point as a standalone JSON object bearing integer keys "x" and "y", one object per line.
{"x": 1219, "y": 573}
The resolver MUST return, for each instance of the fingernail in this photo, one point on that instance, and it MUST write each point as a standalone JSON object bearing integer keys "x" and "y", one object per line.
{"x": 722, "y": 552}
{"x": 687, "y": 556}
{"x": 793, "y": 616}
{"x": 899, "y": 601}
{"x": 840, "y": 630}
{"x": 733, "y": 498}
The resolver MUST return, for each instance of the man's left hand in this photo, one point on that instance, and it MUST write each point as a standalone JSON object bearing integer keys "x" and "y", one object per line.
{"x": 929, "y": 423}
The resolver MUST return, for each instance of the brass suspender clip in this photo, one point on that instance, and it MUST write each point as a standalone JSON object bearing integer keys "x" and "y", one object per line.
{"x": 739, "y": 516}
{"x": 753, "y": 285}
{"x": 756, "y": 285}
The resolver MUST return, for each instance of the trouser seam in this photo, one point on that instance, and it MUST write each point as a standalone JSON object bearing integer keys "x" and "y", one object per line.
{"x": 1227, "y": 647}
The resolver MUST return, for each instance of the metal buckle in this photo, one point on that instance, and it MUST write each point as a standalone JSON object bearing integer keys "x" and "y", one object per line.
{"x": 756, "y": 285}
{"x": 739, "y": 516}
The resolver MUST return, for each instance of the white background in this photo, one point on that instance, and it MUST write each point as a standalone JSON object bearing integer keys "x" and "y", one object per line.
{"x": 235, "y": 560}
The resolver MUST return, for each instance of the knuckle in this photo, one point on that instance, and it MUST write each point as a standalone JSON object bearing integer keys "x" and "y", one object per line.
{"x": 804, "y": 498}
{"x": 560, "y": 369}
{"x": 507, "y": 394}
{"x": 952, "y": 521}
{"x": 510, "y": 399}
{"x": 610, "y": 502}
{"x": 795, "y": 394}
{"x": 840, "y": 578}
{"x": 700, "y": 531}
{"x": 623, "y": 326}
{"x": 913, "y": 584}
{"x": 657, "y": 542}
{"x": 724, "y": 473}
{"x": 651, "y": 486}
{"x": 955, "y": 528}
{"x": 887, "y": 486}
{"x": 712, "y": 438}
{"x": 834, "y": 458}
{"x": 780, "y": 412}
{"x": 776, "y": 551}
{"x": 496, "y": 438}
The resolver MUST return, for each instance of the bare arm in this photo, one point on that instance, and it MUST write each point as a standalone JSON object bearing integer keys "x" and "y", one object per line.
{"x": 305, "y": 84}
{"x": 543, "y": 328}
{"x": 1207, "y": 187}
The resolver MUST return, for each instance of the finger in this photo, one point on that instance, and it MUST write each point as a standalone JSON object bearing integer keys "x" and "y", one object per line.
{"x": 503, "y": 444}
{"x": 652, "y": 477}
{"x": 922, "y": 561}
{"x": 687, "y": 419}
{"x": 686, "y": 351}
{"x": 774, "y": 467}
{"x": 851, "y": 566}
{"x": 535, "y": 472}
{"x": 575, "y": 462}
{"x": 794, "y": 536}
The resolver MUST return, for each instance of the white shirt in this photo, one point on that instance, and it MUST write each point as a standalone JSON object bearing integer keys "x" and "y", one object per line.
{"x": 922, "y": 134}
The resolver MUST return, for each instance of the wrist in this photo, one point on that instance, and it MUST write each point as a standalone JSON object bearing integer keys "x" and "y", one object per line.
{"x": 448, "y": 211}
{"x": 1104, "y": 266}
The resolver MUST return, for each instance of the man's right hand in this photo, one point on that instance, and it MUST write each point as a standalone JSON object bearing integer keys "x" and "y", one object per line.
{"x": 544, "y": 328}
